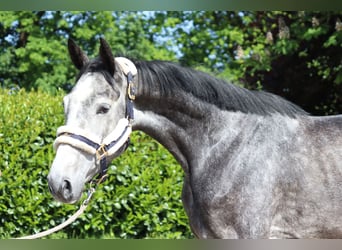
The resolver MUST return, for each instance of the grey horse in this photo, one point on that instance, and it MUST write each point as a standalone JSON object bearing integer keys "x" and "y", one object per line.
{"x": 256, "y": 165}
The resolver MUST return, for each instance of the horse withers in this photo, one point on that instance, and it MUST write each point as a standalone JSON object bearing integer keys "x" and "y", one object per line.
{"x": 256, "y": 165}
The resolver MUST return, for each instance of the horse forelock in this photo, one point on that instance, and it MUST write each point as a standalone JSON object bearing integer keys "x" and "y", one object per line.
{"x": 96, "y": 66}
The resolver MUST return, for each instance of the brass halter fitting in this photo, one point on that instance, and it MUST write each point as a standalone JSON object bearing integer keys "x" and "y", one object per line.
{"x": 101, "y": 152}
{"x": 130, "y": 86}
{"x": 131, "y": 91}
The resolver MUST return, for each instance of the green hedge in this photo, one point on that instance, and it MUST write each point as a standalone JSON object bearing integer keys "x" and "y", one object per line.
{"x": 140, "y": 199}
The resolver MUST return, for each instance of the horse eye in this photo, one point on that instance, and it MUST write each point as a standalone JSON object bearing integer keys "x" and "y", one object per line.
{"x": 103, "y": 109}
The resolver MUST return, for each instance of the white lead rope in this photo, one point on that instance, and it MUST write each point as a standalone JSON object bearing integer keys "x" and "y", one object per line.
{"x": 70, "y": 220}
{"x": 56, "y": 228}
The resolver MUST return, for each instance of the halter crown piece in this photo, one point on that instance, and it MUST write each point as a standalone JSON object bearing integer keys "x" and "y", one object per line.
{"x": 117, "y": 141}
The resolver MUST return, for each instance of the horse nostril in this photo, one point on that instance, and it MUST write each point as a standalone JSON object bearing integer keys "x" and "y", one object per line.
{"x": 66, "y": 186}
{"x": 67, "y": 190}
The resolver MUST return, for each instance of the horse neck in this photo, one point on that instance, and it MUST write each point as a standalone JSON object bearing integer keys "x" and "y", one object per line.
{"x": 182, "y": 123}
{"x": 188, "y": 126}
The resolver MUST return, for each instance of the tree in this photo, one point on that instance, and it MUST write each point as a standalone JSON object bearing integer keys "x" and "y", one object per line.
{"x": 297, "y": 55}
{"x": 33, "y": 50}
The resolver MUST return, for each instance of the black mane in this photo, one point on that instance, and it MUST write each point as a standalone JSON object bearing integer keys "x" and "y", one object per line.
{"x": 168, "y": 78}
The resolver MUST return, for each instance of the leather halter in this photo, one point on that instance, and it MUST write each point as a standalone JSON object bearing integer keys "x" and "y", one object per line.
{"x": 117, "y": 141}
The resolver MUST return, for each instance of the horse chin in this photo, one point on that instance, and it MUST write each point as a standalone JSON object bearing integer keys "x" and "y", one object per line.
{"x": 72, "y": 201}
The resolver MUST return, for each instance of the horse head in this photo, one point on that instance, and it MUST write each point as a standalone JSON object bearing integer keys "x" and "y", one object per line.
{"x": 98, "y": 114}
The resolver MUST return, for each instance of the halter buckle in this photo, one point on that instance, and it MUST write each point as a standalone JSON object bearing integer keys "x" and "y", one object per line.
{"x": 101, "y": 152}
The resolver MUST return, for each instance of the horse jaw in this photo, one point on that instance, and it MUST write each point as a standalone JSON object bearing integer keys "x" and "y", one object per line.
{"x": 69, "y": 172}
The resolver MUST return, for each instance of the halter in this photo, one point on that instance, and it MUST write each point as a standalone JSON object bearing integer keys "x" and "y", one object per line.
{"x": 117, "y": 141}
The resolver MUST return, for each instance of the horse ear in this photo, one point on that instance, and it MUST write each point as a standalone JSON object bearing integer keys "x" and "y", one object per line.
{"x": 107, "y": 56}
{"x": 78, "y": 57}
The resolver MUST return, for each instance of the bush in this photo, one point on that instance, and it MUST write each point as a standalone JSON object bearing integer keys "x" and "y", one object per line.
{"x": 140, "y": 199}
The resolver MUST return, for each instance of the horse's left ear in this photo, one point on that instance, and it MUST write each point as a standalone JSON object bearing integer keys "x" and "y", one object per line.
{"x": 106, "y": 56}
{"x": 78, "y": 57}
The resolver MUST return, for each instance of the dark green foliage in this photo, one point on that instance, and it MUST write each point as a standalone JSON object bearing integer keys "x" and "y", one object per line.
{"x": 33, "y": 45}
{"x": 295, "y": 54}
{"x": 140, "y": 199}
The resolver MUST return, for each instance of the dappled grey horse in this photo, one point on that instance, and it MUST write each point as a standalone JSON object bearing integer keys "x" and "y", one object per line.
{"x": 256, "y": 165}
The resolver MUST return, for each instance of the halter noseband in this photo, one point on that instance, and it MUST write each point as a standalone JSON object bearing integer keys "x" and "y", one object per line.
{"x": 117, "y": 141}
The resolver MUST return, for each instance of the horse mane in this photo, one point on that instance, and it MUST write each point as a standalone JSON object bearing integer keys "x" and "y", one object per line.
{"x": 168, "y": 78}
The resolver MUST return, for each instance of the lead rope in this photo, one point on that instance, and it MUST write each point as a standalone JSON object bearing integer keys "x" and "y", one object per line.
{"x": 71, "y": 219}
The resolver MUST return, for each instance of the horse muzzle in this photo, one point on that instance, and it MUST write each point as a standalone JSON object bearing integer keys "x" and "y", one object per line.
{"x": 81, "y": 142}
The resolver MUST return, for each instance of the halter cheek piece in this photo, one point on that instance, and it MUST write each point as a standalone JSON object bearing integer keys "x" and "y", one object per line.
{"x": 117, "y": 141}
